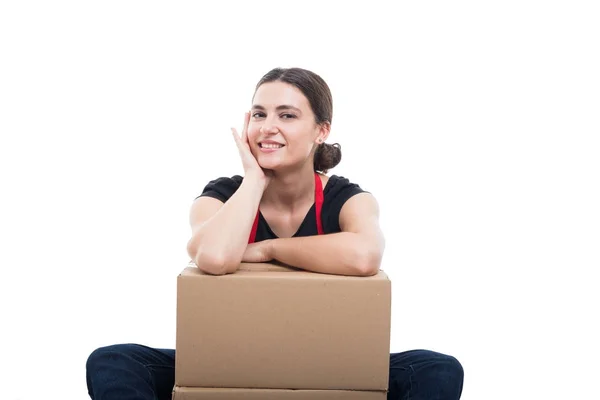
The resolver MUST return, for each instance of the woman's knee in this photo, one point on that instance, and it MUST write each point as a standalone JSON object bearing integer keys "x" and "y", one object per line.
{"x": 445, "y": 373}
{"x": 453, "y": 367}
{"x": 107, "y": 354}
{"x": 435, "y": 374}
{"x": 445, "y": 365}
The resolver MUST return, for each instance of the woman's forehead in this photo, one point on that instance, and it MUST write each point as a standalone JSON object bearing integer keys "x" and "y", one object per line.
{"x": 275, "y": 94}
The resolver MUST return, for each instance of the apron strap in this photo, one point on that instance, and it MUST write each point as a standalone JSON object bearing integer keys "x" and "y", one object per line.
{"x": 254, "y": 229}
{"x": 318, "y": 207}
{"x": 318, "y": 202}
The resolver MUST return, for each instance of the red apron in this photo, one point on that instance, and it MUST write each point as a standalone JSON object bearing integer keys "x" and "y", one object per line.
{"x": 318, "y": 207}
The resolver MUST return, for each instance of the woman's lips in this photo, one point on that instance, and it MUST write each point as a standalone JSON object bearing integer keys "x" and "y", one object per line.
{"x": 269, "y": 148}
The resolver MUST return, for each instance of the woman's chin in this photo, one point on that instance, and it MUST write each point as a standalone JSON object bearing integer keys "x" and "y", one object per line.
{"x": 269, "y": 165}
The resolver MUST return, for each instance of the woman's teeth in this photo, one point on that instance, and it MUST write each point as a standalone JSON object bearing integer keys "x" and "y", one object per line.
{"x": 271, "y": 146}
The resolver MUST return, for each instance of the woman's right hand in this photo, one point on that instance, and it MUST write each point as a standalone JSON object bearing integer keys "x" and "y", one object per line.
{"x": 251, "y": 166}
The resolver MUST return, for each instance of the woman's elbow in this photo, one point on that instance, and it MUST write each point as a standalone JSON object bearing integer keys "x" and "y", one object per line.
{"x": 210, "y": 264}
{"x": 207, "y": 262}
{"x": 214, "y": 263}
{"x": 368, "y": 263}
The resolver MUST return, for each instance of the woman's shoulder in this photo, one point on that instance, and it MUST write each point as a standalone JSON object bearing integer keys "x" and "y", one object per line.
{"x": 337, "y": 185}
{"x": 336, "y": 193}
{"x": 222, "y": 188}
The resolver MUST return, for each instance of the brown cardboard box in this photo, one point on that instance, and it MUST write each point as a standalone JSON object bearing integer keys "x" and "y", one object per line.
{"x": 271, "y": 327}
{"x": 185, "y": 393}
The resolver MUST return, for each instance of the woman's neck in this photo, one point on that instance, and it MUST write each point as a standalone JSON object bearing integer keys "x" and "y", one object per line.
{"x": 290, "y": 190}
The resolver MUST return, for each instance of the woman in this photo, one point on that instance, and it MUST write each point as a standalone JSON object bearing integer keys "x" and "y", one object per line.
{"x": 305, "y": 219}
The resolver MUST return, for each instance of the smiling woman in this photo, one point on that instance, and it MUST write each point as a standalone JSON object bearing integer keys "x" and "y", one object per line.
{"x": 301, "y": 91}
{"x": 286, "y": 208}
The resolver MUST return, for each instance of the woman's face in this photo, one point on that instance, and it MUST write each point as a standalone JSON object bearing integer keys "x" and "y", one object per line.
{"x": 282, "y": 131}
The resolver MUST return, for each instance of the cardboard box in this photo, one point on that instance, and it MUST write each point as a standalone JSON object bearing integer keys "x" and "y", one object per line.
{"x": 185, "y": 393}
{"x": 271, "y": 327}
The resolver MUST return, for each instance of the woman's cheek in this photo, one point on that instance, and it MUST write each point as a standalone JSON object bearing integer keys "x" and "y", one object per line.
{"x": 252, "y": 138}
{"x": 252, "y": 133}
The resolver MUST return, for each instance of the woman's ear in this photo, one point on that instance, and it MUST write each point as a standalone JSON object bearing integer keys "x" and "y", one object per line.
{"x": 323, "y": 134}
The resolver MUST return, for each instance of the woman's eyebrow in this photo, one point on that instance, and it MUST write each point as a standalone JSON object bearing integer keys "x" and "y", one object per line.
{"x": 278, "y": 108}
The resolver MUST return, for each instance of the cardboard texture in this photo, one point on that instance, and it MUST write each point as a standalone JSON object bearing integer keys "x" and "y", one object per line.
{"x": 185, "y": 393}
{"x": 272, "y": 327}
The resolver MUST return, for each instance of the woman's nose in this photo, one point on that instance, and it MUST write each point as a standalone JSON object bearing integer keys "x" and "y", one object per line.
{"x": 268, "y": 127}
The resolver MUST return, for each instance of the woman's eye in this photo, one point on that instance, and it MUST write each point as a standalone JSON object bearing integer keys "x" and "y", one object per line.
{"x": 288, "y": 116}
{"x": 257, "y": 115}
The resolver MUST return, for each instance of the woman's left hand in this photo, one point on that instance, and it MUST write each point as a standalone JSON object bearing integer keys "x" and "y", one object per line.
{"x": 259, "y": 252}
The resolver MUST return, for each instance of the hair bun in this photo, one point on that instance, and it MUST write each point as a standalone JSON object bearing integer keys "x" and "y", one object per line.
{"x": 327, "y": 156}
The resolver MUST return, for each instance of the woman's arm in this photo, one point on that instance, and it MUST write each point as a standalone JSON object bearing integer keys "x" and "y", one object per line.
{"x": 357, "y": 250}
{"x": 220, "y": 231}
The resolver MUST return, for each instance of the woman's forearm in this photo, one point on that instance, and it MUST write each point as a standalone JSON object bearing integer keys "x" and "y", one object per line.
{"x": 343, "y": 253}
{"x": 222, "y": 240}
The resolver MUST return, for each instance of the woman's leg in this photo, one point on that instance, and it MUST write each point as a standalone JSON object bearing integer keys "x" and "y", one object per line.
{"x": 424, "y": 375}
{"x": 130, "y": 372}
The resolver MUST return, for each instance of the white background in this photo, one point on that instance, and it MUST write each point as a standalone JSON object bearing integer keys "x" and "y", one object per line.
{"x": 475, "y": 124}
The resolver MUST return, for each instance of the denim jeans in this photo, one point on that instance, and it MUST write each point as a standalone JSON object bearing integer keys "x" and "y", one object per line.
{"x": 133, "y": 371}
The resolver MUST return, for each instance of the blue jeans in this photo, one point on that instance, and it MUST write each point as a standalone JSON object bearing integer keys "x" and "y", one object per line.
{"x": 133, "y": 371}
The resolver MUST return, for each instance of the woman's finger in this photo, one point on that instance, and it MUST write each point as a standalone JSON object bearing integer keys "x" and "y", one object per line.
{"x": 236, "y": 137}
{"x": 245, "y": 130}
{"x": 242, "y": 147}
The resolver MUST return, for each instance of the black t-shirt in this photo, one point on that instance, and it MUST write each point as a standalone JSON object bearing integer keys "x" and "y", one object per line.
{"x": 335, "y": 193}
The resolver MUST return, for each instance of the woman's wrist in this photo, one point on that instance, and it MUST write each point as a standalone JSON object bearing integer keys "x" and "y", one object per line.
{"x": 256, "y": 180}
